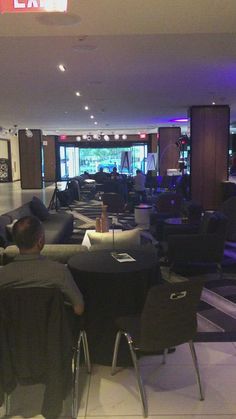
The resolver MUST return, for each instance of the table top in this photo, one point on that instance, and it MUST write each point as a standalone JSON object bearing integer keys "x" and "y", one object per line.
{"x": 143, "y": 206}
{"x": 101, "y": 261}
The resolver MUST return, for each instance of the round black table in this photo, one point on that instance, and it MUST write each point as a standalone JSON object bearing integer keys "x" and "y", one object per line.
{"x": 112, "y": 289}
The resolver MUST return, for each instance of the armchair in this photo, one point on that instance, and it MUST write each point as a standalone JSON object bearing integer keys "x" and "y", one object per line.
{"x": 201, "y": 249}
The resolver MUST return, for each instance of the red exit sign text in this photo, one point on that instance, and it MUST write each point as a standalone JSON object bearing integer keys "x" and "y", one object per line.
{"x": 16, "y": 6}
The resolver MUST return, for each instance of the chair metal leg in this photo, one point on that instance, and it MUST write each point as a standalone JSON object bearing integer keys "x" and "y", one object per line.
{"x": 219, "y": 269}
{"x": 138, "y": 376}
{"x": 75, "y": 378}
{"x": 86, "y": 350}
{"x": 7, "y": 400}
{"x": 76, "y": 366}
{"x": 165, "y": 352}
{"x": 195, "y": 362}
{"x": 115, "y": 352}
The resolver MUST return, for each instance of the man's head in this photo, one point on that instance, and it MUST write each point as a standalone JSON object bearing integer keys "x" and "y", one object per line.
{"x": 28, "y": 235}
{"x": 101, "y": 170}
{"x": 138, "y": 171}
{"x": 114, "y": 169}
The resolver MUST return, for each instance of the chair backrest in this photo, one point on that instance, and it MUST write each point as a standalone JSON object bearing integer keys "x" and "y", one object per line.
{"x": 169, "y": 315}
{"x": 114, "y": 201}
{"x": 170, "y": 203}
{"x": 35, "y": 343}
{"x": 214, "y": 222}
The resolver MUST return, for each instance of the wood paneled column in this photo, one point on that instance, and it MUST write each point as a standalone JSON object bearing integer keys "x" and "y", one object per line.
{"x": 30, "y": 159}
{"x": 49, "y": 154}
{"x": 209, "y": 153}
{"x": 168, "y": 151}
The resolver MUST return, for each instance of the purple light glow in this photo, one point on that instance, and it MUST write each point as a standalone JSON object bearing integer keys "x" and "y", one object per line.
{"x": 179, "y": 120}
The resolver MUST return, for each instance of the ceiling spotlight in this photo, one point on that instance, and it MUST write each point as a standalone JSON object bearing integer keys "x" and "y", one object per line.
{"x": 28, "y": 133}
{"x": 124, "y": 137}
{"x": 89, "y": 138}
{"x": 95, "y": 123}
{"x": 77, "y": 93}
{"x": 95, "y": 136}
{"x": 116, "y": 136}
{"x": 92, "y": 116}
{"x": 62, "y": 68}
{"x": 78, "y": 138}
{"x": 106, "y": 138}
{"x": 99, "y": 137}
{"x": 86, "y": 108}
{"x": 84, "y": 137}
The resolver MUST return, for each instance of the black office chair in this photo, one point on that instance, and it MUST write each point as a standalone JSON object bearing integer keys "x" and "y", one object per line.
{"x": 37, "y": 346}
{"x": 168, "y": 319}
{"x": 114, "y": 201}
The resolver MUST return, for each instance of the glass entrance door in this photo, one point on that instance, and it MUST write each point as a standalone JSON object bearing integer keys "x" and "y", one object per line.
{"x": 69, "y": 162}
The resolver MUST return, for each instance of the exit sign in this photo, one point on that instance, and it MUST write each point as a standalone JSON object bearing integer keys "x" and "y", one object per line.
{"x": 35, "y": 6}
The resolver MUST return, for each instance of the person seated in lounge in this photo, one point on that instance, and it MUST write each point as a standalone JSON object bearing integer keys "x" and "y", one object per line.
{"x": 139, "y": 185}
{"x": 114, "y": 174}
{"x": 101, "y": 176}
{"x": 31, "y": 269}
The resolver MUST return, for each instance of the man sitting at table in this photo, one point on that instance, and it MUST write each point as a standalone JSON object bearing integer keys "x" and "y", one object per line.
{"x": 31, "y": 269}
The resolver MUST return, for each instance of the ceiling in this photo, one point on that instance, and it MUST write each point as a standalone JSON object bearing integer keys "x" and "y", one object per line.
{"x": 138, "y": 64}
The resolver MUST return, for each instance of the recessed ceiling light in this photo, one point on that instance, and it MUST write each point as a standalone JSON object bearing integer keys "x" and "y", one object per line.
{"x": 78, "y": 138}
{"x": 86, "y": 108}
{"x": 77, "y": 93}
{"x": 116, "y": 136}
{"x": 95, "y": 123}
{"x": 124, "y": 137}
{"x": 84, "y": 137}
{"x": 92, "y": 116}
{"x": 213, "y": 103}
{"x": 62, "y": 67}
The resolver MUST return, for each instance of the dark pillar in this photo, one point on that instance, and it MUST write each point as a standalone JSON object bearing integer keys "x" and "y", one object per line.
{"x": 30, "y": 159}
{"x": 168, "y": 151}
{"x": 209, "y": 153}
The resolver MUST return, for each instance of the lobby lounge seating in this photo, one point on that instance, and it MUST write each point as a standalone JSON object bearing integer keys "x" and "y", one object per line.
{"x": 168, "y": 319}
{"x": 58, "y": 226}
{"x": 228, "y": 208}
{"x": 202, "y": 249}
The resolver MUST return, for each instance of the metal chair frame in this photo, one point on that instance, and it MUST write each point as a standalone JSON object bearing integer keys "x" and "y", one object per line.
{"x": 133, "y": 350}
{"x": 82, "y": 340}
{"x": 137, "y": 344}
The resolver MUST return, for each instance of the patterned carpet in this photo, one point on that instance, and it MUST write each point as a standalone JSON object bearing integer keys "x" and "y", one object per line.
{"x": 217, "y": 310}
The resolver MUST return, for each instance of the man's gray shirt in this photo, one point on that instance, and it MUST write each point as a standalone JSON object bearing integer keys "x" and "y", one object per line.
{"x": 36, "y": 271}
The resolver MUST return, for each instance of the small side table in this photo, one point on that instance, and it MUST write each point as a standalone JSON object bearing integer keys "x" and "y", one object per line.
{"x": 142, "y": 215}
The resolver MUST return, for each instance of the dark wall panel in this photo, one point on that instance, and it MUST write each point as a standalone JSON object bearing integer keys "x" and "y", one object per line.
{"x": 30, "y": 159}
{"x": 49, "y": 158}
{"x": 168, "y": 152}
{"x": 209, "y": 153}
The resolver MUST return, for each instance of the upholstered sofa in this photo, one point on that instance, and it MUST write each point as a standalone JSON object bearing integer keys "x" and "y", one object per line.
{"x": 58, "y": 226}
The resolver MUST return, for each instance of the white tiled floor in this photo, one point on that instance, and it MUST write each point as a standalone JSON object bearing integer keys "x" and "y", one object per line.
{"x": 171, "y": 389}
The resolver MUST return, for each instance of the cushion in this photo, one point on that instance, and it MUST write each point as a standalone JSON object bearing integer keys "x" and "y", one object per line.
{"x": 9, "y": 228}
{"x": 58, "y": 252}
{"x": 38, "y": 208}
{"x": 122, "y": 239}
